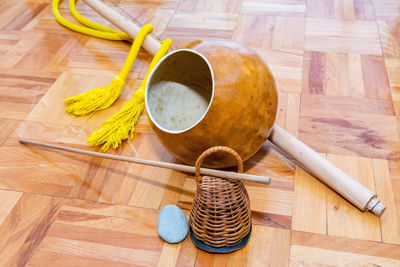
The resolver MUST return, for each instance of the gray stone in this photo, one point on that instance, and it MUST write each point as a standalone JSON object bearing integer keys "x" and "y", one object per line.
{"x": 172, "y": 224}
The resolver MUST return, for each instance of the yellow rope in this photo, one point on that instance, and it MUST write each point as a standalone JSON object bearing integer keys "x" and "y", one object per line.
{"x": 91, "y": 24}
{"x": 95, "y": 31}
{"x": 102, "y": 97}
{"x": 117, "y": 128}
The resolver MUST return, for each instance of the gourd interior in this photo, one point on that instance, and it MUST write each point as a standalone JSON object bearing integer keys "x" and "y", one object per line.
{"x": 180, "y": 92}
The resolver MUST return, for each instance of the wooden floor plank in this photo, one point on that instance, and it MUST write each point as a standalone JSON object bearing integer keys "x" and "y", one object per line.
{"x": 272, "y": 249}
{"x": 90, "y": 231}
{"x": 169, "y": 255}
{"x": 310, "y": 204}
{"x": 46, "y": 258}
{"x": 25, "y": 226}
{"x": 343, "y": 219}
{"x": 300, "y": 256}
{"x": 336, "y": 68}
{"x": 286, "y": 68}
{"x": 349, "y": 131}
{"x": 187, "y": 254}
{"x": 289, "y": 34}
{"x": 268, "y": 246}
{"x": 354, "y": 246}
{"x": 282, "y": 8}
{"x": 395, "y": 183}
{"x": 390, "y": 225}
{"x": 9, "y": 200}
{"x": 204, "y": 20}
{"x": 344, "y": 36}
{"x": 246, "y": 32}
{"x": 375, "y": 77}
{"x": 102, "y": 252}
{"x": 7, "y": 126}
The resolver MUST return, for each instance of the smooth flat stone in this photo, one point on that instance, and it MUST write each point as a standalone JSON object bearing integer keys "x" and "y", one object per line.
{"x": 173, "y": 226}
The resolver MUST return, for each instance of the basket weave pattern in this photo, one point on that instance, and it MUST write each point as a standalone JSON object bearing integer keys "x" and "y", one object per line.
{"x": 220, "y": 215}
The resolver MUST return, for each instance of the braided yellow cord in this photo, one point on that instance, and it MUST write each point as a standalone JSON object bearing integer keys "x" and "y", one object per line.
{"x": 109, "y": 34}
{"x": 117, "y": 128}
{"x": 102, "y": 97}
{"x": 89, "y": 23}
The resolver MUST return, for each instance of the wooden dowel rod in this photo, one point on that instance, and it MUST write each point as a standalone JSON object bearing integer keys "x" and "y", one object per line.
{"x": 150, "y": 44}
{"x": 167, "y": 165}
{"x": 321, "y": 168}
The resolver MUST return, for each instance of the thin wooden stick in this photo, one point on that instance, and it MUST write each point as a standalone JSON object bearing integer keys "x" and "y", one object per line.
{"x": 173, "y": 166}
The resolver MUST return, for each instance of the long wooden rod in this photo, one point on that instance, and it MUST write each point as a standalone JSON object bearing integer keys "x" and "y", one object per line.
{"x": 321, "y": 168}
{"x": 167, "y": 165}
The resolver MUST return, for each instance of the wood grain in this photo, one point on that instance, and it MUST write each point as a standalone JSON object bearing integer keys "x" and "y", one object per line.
{"x": 289, "y": 34}
{"x": 345, "y": 36}
{"x": 342, "y": 217}
{"x": 355, "y": 246}
{"x": 25, "y": 226}
{"x": 300, "y": 256}
{"x": 336, "y": 66}
{"x": 348, "y": 131}
{"x": 389, "y": 221}
{"x": 311, "y": 199}
{"x": 277, "y": 8}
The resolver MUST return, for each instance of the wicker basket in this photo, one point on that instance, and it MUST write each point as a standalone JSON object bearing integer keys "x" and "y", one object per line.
{"x": 220, "y": 215}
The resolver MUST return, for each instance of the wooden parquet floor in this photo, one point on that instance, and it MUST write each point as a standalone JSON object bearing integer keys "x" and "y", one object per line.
{"x": 337, "y": 68}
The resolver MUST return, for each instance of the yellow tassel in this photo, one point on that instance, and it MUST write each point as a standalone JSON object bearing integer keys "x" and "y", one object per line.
{"x": 103, "y": 97}
{"x": 116, "y": 129}
{"x": 96, "y": 99}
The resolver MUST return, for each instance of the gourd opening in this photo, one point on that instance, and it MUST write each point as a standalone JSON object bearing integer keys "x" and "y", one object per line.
{"x": 179, "y": 91}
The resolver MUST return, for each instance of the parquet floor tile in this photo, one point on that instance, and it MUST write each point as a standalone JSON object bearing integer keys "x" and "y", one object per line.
{"x": 292, "y": 8}
{"x": 336, "y": 65}
{"x": 343, "y": 36}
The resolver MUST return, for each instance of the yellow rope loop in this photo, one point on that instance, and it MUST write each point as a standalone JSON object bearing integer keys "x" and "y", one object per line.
{"x": 122, "y": 124}
{"x": 109, "y": 35}
{"x": 89, "y": 23}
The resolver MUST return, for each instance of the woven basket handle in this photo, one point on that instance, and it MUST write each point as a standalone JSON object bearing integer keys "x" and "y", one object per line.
{"x": 212, "y": 150}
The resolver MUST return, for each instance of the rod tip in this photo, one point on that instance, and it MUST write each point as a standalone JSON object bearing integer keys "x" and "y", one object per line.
{"x": 378, "y": 209}
{"x": 376, "y": 206}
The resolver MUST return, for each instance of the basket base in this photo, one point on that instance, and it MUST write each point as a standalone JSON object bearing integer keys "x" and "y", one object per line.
{"x": 221, "y": 250}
